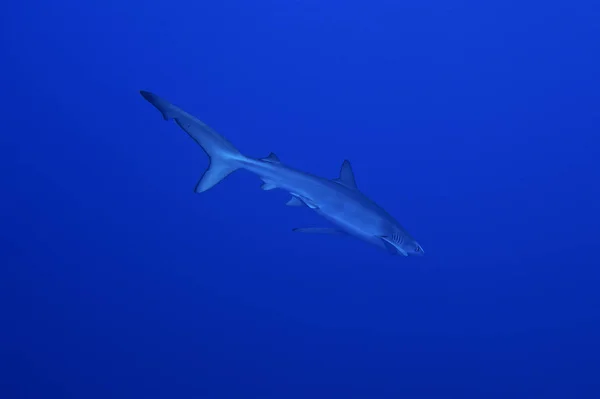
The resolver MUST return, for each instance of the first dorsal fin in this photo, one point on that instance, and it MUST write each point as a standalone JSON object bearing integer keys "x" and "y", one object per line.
{"x": 271, "y": 158}
{"x": 347, "y": 176}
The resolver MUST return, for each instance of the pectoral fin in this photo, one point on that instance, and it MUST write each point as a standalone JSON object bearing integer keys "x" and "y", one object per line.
{"x": 392, "y": 248}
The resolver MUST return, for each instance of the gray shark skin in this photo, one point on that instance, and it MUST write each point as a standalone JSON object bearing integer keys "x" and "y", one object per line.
{"x": 338, "y": 200}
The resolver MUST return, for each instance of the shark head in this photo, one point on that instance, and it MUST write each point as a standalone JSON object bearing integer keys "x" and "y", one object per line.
{"x": 401, "y": 243}
{"x": 414, "y": 248}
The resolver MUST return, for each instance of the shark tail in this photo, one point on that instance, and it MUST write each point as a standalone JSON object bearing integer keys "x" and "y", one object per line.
{"x": 224, "y": 157}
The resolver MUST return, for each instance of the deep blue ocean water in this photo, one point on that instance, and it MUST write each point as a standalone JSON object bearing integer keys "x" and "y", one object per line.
{"x": 474, "y": 123}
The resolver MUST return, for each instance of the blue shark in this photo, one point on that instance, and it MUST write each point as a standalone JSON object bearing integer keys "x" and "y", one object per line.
{"x": 337, "y": 200}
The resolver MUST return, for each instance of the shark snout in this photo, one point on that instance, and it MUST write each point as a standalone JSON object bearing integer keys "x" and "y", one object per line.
{"x": 419, "y": 250}
{"x": 416, "y": 249}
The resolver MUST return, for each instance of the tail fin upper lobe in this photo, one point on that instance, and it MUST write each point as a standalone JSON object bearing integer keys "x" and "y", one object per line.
{"x": 223, "y": 155}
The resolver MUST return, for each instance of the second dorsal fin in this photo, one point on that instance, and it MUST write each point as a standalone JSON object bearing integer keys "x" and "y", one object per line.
{"x": 271, "y": 158}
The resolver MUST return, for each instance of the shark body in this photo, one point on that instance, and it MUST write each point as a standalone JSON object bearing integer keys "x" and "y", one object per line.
{"x": 338, "y": 200}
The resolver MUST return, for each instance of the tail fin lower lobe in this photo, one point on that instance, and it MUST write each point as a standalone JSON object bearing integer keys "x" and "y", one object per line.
{"x": 223, "y": 155}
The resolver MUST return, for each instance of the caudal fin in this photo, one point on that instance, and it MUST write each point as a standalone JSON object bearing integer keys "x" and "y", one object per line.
{"x": 224, "y": 157}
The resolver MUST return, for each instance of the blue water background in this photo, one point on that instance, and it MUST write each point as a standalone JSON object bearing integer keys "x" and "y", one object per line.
{"x": 474, "y": 123}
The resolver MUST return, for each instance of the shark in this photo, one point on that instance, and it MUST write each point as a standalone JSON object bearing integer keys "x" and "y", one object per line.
{"x": 338, "y": 200}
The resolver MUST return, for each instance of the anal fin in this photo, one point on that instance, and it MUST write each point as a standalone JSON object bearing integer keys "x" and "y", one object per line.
{"x": 267, "y": 185}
